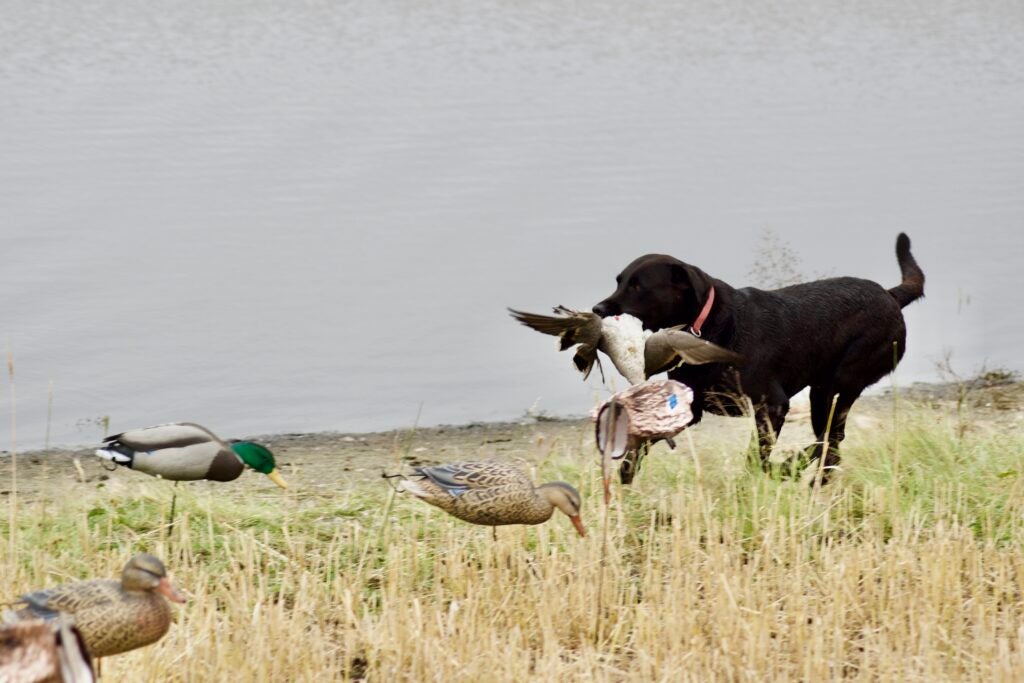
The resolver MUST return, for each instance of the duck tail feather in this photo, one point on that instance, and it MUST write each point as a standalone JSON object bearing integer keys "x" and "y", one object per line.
{"x": 117, "y": 453}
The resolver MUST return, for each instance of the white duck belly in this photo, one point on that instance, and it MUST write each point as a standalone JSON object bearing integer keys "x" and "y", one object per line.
{"x": 623, "y": 339}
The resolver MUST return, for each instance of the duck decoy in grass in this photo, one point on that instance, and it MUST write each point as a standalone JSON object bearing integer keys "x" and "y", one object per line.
{"x": 492, "y": 494}
{"x": 635, "y": 352}
{"x": 628, "y": 422}
{"x": 112, "y": 616}
{"x": 39, "y": 651}
{"x": 184, "y": 451}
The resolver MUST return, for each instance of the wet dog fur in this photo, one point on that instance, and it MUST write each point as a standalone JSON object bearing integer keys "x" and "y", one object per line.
{"x": 836, "y": 336}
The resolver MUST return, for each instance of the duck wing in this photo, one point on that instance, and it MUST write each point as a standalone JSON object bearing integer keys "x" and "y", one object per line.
{"x": 459, "y": 477}
{"x": 49, "y": 603}
{"x": 35, "y": 606}
{"x": 573, "y": 328}
{"x": 675, "y": 345}
{"x": 170, "y": 435}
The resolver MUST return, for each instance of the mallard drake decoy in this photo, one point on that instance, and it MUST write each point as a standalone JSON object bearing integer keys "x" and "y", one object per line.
{"x": 112, "y": 616}
{"x": 38, "y": 651}
{"x": 493, "y": 494}
{"x": 632, "y": 419}
{"x": 635, "y": 352}
{"x": 184, "y": 451}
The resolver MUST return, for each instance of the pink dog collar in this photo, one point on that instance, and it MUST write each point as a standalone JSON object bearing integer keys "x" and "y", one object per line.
{"x": 704, "y": 313}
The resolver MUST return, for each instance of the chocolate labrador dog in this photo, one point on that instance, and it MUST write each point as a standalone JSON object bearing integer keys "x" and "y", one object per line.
{"x": 837, "y": 336}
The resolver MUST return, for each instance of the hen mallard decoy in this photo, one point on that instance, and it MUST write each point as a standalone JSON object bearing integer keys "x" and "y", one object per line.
{"x": 493, "y": 494}
{"x": 184, "y": 451}
{"x": 38, "y": 651}
{"x": 628, "y": 422}
{"x": 635, "y": 352}
{"x": 112, "y": 616}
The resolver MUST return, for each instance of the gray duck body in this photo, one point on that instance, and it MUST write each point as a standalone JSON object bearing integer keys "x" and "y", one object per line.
{"x": 181, "y": 451}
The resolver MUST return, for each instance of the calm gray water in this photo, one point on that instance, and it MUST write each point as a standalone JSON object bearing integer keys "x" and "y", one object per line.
{"x": 276, "y": 216}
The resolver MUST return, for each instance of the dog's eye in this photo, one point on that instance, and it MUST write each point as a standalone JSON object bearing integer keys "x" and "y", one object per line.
{"x": 635, "y": 286}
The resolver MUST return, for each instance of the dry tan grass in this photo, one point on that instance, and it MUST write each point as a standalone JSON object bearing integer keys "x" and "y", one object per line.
{"x": 900, "y": 573}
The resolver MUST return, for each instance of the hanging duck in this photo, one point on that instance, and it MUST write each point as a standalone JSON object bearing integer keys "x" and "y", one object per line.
{"x": 635, "y": 352}
{"x": 628, "y": 422}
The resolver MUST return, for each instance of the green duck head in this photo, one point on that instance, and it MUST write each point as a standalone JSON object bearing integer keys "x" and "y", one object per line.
{"x": 260, "y": 459}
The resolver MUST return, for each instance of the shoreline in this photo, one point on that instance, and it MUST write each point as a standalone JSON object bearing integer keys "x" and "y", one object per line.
{"x": 314, "y": 461}
{"x": 917, "y": 391}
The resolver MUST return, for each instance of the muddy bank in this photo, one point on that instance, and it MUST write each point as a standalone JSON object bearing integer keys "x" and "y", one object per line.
{"x": 319, "y": 463}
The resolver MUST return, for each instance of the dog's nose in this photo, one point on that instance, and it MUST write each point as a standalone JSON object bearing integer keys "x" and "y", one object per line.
{"x": 605, "y": 309}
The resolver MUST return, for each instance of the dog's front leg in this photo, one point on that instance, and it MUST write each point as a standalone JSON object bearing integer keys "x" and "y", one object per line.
{"x": 631, "y": 463}
{"x": 770, "y": 414}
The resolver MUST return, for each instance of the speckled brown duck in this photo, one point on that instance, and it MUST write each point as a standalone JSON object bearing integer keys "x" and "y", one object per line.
{"x": 112, "y": 616}
{"x": 185, "y": 451}
{"x": 628, "y": 422}
{"x": 40, "y": 651}
{"x": 493, "y": 494}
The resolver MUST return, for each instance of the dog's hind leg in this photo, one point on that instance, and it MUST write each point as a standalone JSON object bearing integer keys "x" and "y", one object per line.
{"x": 821, "y": 406}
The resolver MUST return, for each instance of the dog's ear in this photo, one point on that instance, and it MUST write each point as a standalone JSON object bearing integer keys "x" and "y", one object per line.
{"x": 693, "y": 277}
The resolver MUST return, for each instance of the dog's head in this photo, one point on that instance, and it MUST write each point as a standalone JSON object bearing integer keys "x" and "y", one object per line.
{"x": 660, "y": 290}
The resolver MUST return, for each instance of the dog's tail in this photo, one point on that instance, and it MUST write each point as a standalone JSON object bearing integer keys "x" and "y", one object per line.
{"x": 912, "y": 287}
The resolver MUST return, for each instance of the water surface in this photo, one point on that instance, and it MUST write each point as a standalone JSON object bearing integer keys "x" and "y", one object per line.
{"x": 274, "y": 216}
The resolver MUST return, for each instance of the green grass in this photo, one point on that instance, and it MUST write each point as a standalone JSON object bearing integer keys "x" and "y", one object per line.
{"x": 907, "y": 567}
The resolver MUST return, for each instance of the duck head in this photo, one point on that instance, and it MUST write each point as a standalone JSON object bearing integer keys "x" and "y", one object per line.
{"x": 146, "y": 573}
{"x": 565, "y": 498}
{"x": 260, "y": 459}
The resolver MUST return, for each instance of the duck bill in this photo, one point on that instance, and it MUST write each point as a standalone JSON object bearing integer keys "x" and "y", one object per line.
{"x": 165, "y": 589}
{"x": 275, "y": 477}
{"x": 578, "y": 523}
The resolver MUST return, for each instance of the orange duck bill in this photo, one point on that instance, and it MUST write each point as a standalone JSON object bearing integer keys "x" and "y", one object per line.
{"x": 578, "y": 523}
{"x": 167, "y": 590}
